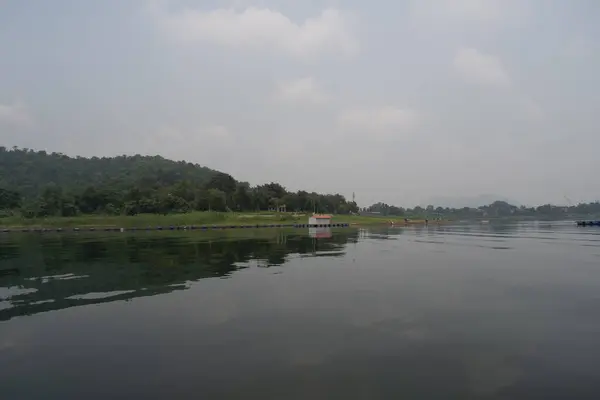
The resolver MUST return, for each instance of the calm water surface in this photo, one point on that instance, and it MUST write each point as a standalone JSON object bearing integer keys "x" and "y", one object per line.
{"x": 454, "y": 312}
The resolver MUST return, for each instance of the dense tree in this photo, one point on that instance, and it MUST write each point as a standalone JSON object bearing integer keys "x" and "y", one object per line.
{"x": 222, "y": 182}
{"x": 9, "y": 199}
{"x": 242, "y": 198}
{"x": 275, "y": 190}
{"x": 28, "y": 172}
{"x": 55, "y": 184}
{"x": 497, "y": 209}
{"x": 38, "y": 184}
{"x": 217, "y": 200}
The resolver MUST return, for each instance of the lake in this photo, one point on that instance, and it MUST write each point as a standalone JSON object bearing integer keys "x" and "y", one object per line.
{"x": 440, "y": 312}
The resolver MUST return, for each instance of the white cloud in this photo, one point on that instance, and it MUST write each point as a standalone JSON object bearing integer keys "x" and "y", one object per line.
{"x": 385, "y": 120}
{"x": 577, "y": 47}
{"x": 480, "y": 68}
{"x": 457, "y": 10}
{"x": 441, "y": 13}
{"x": 218, "y": 134}
{"x": 485, "y": 69}
{"x": 532, "y": 110}
{"x": 263, "y": 28}
{"x": 208, "y": 143}
{"x": 16, "y": 115}
{"x": 303, "y": 90}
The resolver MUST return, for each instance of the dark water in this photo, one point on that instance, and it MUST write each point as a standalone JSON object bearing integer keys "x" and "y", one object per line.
{"x": 463, "y": 312}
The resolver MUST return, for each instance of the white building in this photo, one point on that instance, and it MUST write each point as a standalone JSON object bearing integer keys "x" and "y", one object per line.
{"x": 320, "y": 219}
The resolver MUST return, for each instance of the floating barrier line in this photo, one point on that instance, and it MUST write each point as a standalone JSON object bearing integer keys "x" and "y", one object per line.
{"x": 169, "y": 228}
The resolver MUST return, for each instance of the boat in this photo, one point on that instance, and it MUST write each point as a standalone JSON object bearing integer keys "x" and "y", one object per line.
{"x": 588, "y": 223}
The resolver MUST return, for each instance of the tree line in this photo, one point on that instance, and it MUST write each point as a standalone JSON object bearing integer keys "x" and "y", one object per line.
{"x": 38, "y": 184}
{"x": 497, "y": 209}
{"x": 220, "y": 193}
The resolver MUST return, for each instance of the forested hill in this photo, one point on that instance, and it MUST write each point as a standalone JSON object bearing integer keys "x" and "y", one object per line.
{"x": 29, "y": 172}
{"x": 38, "y": 184}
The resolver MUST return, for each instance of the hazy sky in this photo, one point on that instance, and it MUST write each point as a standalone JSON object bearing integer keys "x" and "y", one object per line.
{"x": 395, "y": 100}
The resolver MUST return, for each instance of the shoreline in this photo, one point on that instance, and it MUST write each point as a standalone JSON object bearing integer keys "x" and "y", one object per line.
{"x": 192, "y": 221}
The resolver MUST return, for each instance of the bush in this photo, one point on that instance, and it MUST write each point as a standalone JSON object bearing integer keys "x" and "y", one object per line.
{"x": 6, "y": 213}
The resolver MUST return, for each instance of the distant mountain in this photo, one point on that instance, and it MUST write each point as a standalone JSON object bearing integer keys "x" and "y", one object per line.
{"x": 473, "y": 201}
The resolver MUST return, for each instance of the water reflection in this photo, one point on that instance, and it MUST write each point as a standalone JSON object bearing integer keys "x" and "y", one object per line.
{"x": 437, "y": 312}
{"x": 45, "y": 273}
{"x": 320, "y": 232}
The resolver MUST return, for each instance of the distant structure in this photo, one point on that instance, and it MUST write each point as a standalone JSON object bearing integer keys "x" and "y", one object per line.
{"x": 319, "y": 219}
{"x": 281, "y": 208}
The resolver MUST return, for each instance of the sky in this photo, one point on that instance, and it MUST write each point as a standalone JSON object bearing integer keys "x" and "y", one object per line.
{"x": 398, "y": 101}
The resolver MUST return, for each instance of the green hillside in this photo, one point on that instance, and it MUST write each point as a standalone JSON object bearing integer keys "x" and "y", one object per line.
{"x": 35, "y": 184}
{"x": 28, "y": 172}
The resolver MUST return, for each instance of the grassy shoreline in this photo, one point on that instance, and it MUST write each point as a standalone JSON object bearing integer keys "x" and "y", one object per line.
{"x": 189, "y": 219}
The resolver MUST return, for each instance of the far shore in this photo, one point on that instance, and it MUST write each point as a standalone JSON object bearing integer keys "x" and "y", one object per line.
{"x": 197, "y": 219}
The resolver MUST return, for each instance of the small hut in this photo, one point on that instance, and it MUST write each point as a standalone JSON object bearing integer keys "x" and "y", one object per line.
{"x": 319, "y": 219}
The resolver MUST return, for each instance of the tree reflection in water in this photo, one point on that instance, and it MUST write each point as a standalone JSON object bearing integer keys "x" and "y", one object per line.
{"x": 51, "y": 272}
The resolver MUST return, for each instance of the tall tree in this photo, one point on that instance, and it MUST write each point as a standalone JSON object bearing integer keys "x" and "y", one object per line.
{"x": 223, "y": 182}
{"x": 9, "y": 199}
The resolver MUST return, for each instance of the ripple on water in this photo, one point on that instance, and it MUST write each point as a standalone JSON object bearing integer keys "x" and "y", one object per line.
{"x": 64, "y": 277}
{"x": 99, "y": 295}
{"x": 429, "y": 241}
{"x": 475, "y": 321}
{"x": 6, "y": 293}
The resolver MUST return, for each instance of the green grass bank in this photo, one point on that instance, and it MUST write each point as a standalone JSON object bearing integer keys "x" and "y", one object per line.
{"x": 188, "y": 219}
